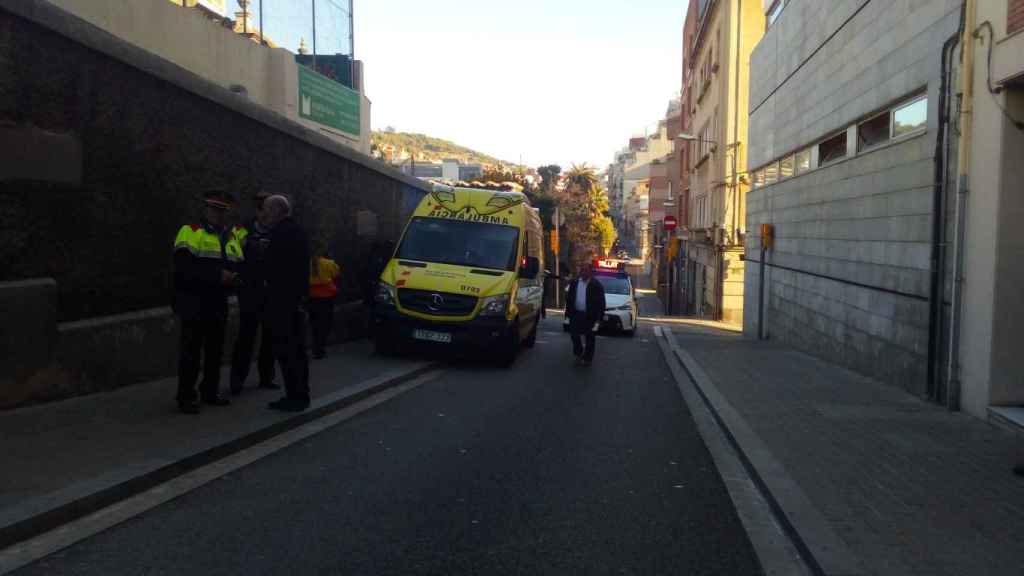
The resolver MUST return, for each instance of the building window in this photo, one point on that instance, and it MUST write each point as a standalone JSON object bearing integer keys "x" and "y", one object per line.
{"x": 775, "y": 11}
{"x": 758, "y": 178}
{"x": 706, "y": 143}
{"x": 718, "y": 43}
{"x": 874, "y": 131}
{"x": 832, "y": 149}
{"x": 786, "y": 167}
{"x": 910, "y": 117}
{"x": 906, "y": 119}
{"x": 802, "y": 162}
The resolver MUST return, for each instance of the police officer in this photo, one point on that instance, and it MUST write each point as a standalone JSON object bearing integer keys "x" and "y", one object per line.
{"x": 252, "y": 305}
{"x": 206, "y": 260}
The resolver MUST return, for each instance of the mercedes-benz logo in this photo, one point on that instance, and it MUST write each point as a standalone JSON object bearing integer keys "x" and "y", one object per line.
{"x": 436, "y": 302}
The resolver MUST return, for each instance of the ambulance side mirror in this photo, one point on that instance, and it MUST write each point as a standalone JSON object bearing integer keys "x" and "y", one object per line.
{"x": 530, "y": 268}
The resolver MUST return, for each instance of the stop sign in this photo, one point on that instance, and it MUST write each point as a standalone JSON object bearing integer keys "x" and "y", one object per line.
{"x": 670, "y": 222}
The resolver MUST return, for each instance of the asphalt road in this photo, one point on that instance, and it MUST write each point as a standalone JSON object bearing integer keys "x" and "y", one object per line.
{"x": 545, "y": 468}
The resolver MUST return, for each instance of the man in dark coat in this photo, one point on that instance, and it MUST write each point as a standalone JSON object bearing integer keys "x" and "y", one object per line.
{"x": 287, "y": 269}
{"x": 252, "y": 303}
{"x": 584, "y": 306}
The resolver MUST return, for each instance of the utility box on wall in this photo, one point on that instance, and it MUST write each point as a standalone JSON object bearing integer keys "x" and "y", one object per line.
{"x": 767, "y": 236}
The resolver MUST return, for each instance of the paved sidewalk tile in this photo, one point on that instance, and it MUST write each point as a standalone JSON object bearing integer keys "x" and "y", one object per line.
{"x": 909, "y": 486}
{"x": 64, "y": 450}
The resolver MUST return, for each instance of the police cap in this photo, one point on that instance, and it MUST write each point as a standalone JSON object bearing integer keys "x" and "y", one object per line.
{"x": 219, "y": 199}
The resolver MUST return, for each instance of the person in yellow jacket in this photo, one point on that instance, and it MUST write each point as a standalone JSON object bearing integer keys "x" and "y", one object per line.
{"x": 323, "y": 287}
{"x": 206, "y": 260}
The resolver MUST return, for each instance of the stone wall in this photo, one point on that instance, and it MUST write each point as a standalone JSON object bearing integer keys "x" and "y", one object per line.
{"x": 824, "y": 65}
{"x": 44, "y": 360}
{"x": 106, "y": 148}
{"x": 850, "y": 274}
{"x": 140, "y": 139}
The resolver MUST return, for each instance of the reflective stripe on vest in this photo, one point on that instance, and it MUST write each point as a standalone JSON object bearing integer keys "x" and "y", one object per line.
{"x": 203, "y": 244}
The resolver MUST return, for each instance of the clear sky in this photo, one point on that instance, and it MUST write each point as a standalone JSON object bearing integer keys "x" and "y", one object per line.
{"x": 557, "y": 81}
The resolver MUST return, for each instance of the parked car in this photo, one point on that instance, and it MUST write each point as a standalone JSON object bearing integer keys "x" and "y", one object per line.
{"x": 619, "y": 299}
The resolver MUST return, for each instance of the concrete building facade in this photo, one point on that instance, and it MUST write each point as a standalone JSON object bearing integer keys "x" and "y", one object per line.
{"x": 726, "y": 33}
{"x": 844, "y": 120}
{"x": 681, "y": 298}
{"x": 985, "y": 373}
{"x": 629, "y": 186}
{"x": 265, "y": 75}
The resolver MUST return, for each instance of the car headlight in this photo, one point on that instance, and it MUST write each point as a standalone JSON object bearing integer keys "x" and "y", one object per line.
{"x": 385, "y": 294}
{"x": 494, "y": 305}
{"x": 624, "y": 307}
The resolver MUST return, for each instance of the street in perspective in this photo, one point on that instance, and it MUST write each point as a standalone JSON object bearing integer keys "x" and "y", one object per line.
{"x": 721, "y": 287}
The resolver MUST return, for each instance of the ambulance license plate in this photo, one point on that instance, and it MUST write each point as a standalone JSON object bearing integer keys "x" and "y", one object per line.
{"x": 431, "y": 336}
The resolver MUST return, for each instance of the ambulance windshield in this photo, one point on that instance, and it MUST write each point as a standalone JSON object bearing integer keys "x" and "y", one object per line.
{"x": 462, "y": 243}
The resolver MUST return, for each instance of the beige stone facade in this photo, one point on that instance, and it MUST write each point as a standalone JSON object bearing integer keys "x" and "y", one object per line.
{"x": 727, "y": 31}
{"x": 986, "y": 372}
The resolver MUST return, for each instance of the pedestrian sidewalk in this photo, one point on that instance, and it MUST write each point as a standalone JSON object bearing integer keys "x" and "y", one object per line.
{"x": 64, "y": 459}
{"x": 907, "y": 486}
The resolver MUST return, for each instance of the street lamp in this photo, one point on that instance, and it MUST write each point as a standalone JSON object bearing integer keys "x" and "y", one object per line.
{"x": 693, "y": 138}
{"x": 687, "y": 137}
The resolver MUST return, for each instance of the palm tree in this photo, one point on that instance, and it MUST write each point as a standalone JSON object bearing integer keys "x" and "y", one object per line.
{"x": 581, "y": 178}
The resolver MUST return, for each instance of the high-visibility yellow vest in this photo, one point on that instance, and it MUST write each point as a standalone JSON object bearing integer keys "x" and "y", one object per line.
{"x": 322, "y": 278}
{"x": 204, "y": 244}
{"x": 240, "y": 233}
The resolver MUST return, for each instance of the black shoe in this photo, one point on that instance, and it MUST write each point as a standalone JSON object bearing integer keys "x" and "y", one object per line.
{"x": 236, "y": 389}
{"x": 296, "y": 406}
{"x": 588, "y": 361}
{"x": 216, "y": 401}
{"x": 319, "y": 355}
{"x": 1019, "y": 470}
{"x": 287, "y": 405}
{"x": 188, "y": 407}
{"x": 270, "y": 385}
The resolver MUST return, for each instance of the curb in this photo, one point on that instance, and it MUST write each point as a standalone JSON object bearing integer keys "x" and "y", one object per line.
{"x": 819, "y": 545}
{"x": 61, "y": 514}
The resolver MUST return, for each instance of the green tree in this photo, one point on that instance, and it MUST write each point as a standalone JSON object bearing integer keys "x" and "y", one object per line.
{"x": 581, "y": 178}
{"x": 585, "y": 204}
{"x": 549, "y": 176}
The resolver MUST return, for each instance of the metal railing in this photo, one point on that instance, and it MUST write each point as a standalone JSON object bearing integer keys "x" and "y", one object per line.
{"x": 319, "y": 32}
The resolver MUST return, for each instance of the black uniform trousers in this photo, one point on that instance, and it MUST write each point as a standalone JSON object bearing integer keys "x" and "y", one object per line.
{"x": 321, "y": 320}
{"x": 202, "y": 339}
{"x": 289, "y": 330}
{"x": 580, "y": 328}
{"x": 252, "y": 320}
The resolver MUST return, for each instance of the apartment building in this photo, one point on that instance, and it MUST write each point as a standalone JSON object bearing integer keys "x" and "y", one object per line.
{"x": 719, "y": 59}
{"x": 983, "y": 368}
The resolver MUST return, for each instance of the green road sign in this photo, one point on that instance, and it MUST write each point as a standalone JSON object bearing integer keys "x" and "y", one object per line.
{"x": 326, "y": 102}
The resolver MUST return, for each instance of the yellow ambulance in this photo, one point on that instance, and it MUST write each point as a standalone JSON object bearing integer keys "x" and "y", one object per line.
{"x": 466, "y": 274}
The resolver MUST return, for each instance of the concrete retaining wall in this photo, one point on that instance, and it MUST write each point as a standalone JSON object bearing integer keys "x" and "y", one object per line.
{"x": 43, "y": 360}
{"x": 140, "y": 138}
{"x": 114, "y": 146}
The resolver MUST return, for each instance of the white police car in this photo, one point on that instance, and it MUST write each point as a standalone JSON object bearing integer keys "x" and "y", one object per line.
{"x": 620, "y": 310}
